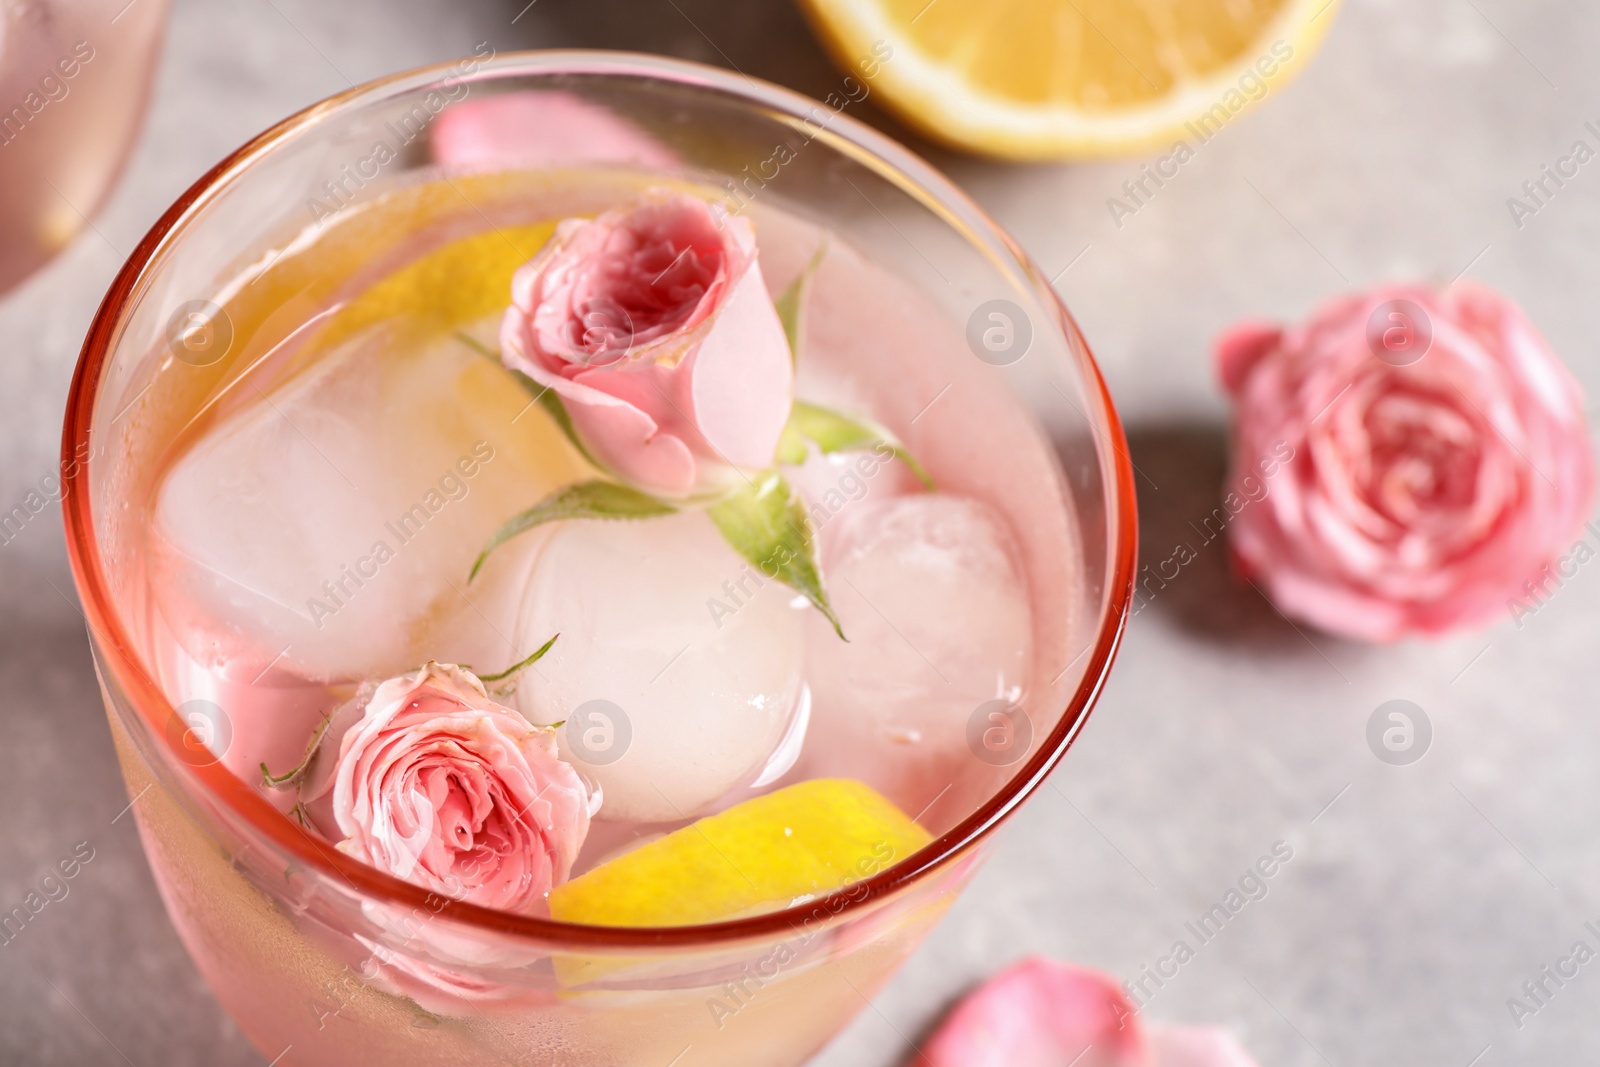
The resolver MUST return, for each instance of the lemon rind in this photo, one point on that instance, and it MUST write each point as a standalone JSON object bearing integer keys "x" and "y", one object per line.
{"x": 944, "y": 107}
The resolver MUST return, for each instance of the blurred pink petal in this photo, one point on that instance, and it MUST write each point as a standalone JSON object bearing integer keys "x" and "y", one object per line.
{"x": 1040, "y": 1013}
{"x": 1238, "y": 348}
{"x": 541, "y": 128}
{"x": 1197, "y": 1046}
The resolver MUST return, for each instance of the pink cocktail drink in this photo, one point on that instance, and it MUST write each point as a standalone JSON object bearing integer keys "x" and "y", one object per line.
{"x": 588, "y": 608}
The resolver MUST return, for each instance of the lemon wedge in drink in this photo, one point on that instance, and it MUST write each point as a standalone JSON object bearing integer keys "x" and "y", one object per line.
{"x": 1047, "y": 79}
{"x": 463, "y": 281}
{"x": 767, "y": 853}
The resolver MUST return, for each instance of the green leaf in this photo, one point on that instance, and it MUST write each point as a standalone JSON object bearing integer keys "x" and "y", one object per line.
{"x": 584, "y": 500}
{"x": 766, "y": 523}
{"x": 791, "y": 301}
{"x": 538, "y": 654}
{"x": 833, "y": 431}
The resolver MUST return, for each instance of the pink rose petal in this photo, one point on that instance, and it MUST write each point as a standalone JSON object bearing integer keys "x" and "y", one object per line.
{"x": 1040, "y": 1013}
{"x": 1196, "y": 1046}
{"x": 628, "y": 441}
{"x": 739, "y": 382}
{"x": 541, "y": 128}
{"x": 1240, "y": 346}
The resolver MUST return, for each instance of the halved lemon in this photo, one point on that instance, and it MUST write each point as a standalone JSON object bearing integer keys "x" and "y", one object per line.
{"x": 1051, "y": 79}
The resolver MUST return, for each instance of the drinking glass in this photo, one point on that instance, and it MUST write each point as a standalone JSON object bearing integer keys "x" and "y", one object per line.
{"x": 74, "y": 80}
{"x": 303, "y": 945}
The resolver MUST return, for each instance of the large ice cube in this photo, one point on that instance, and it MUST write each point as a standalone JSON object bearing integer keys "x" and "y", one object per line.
{"x": 837, "y": 485}
{"x": 929, "y": 595}
{"x": 678, "y": 669}
{"x": 327, "y": 527}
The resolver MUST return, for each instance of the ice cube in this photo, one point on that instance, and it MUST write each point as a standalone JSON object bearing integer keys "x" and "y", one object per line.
{"x": 836, "y": 485}
{"x": 929, "y": 594}
{"x": 678, "y": 670}
{"x": 327, "y": 526}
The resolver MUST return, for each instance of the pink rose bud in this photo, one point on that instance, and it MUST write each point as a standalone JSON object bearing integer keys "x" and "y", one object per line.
{"x": 1403, "y": 462}
{"x": 653, "y": 326}
{"x": 439, "y": 785}
{"x": 1038, "y": 1012}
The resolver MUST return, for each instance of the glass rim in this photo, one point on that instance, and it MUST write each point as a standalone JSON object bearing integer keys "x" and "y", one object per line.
{"x": 117, "y": 654}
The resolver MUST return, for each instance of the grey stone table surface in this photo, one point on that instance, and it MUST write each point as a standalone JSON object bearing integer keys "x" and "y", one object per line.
{"x": 1418, "y": 899}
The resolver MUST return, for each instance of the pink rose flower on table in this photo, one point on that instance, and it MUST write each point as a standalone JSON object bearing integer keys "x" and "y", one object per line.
{"x": 653, "y": 326}
{"x": 1039, "y": 1013}
{"x": 439, "y": 785}
{"x": 1424, "y": 454}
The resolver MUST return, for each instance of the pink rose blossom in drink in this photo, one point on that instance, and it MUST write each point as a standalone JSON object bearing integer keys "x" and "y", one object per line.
{"x": 415, "y": 970}
{"x": 1039, "y": 1013}
{"x": 653, "y": 326}
{"x": 541, "y": 128}
{"x": 1404, "y": 461}
{"x": 439, "y": 785}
